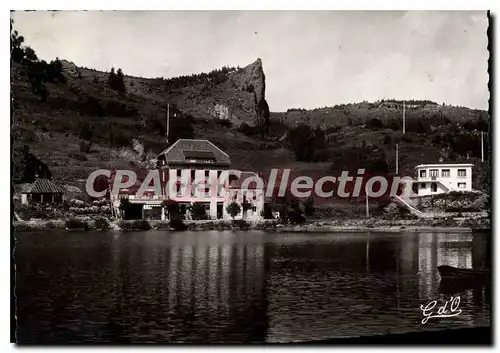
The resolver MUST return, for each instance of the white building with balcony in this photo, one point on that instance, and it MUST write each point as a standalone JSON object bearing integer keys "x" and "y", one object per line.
{"x": 433, "y": 179}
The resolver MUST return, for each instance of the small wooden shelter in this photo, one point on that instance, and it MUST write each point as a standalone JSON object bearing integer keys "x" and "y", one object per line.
{"x": 42, "y": 191}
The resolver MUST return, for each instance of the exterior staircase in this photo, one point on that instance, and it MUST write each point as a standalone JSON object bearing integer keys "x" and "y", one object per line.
{"x": 412, "y": 209}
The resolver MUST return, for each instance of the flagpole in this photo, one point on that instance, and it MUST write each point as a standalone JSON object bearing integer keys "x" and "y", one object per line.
{"x": 168, "y": 120}
{"x": 404, "y": 123}
{"x": 367, "y": 204}
{"x": 482, "y": 147}
{"x": 397, "y": 159}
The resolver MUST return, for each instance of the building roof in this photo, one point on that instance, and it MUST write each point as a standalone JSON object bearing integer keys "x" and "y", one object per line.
{"x": 43, "y": 186}
{"x": 195, "y": 152}
{"x": 440, "y": 165}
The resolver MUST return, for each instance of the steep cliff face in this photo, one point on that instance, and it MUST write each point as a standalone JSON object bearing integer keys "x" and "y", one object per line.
{"x": 239, "y": 96}
{"x": 253, "y": 80}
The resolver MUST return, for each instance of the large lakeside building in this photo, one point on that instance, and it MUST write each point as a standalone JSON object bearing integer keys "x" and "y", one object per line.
{"x": 189, "y": 161}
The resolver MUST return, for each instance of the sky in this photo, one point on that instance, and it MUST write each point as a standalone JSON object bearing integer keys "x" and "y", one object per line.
{"x": 311, "y": 59}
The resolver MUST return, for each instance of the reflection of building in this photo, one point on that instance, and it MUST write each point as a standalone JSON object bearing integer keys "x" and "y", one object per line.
{"x": 441, "y": 249}
{"x": 213, "y": 283}
{"x": 435, "y": 179}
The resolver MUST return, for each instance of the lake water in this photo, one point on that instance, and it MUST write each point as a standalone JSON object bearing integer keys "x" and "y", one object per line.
{"x": 237, "y": 287}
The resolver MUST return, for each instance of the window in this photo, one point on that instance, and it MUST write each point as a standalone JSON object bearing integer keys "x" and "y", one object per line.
{"x": 422, "y": 185}
{"x": 179, "y": 173}
{"x": 434, "y": 173}
{"x": 254, "y": 209}
{"x": 461, "y": 185}
{"x": 461, "y": 173}
{"x": 193, "y": 174}
{"x": 434, "y": 187}
{"x": 423, "y": 173}
{"x": 445, "y": 173}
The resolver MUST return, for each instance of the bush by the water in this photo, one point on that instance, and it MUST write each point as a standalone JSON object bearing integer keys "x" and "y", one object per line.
{"x": 75, "y": 223}
{"x": 240, "y": 223}
{"x": 134, "y": 225}
{"x": 102, "y": 224}
{"x": 177, "y": 224}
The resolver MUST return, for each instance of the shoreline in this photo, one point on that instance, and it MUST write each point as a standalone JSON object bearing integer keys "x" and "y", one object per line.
{"x": 332, "y": 226}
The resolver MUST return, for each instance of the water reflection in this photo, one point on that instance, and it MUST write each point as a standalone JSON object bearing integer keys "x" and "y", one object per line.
{"x": 238, "y": 287}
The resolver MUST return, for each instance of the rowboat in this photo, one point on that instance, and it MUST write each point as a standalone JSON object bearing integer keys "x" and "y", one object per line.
{"x": 463, "y": 274}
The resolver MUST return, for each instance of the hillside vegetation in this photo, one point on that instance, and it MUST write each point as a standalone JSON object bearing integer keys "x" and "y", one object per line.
{"x": 69, "y": 121}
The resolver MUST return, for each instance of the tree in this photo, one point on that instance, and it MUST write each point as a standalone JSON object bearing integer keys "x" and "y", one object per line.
{"x": 309, "y": 207}
{"x": 116, "y": 80}
{"x": 37, "y": 71}
{"x": 19, "y": 52}
{"x": 305, "y": 142}
{"x": 173, "y": 209}
{"x": 125, "y": 207}
{"x": 86, "y": 131}
{"x": 374, "y": 124}
{"x": 112, "y": 77}
{"x": 198, "y": 211}
{"x": 267, "y": 212}
{"x": 233, "y": 209}
{"x": 263, "y": 117}
{"x": 120, "y": 81}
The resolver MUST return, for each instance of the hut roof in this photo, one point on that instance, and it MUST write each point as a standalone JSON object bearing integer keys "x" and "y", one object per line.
{"x": 43, "y": 186}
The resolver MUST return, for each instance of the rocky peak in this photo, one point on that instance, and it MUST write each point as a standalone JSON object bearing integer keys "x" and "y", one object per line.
{"x": 69, "y": 66}
{"x": 252, "y": 79}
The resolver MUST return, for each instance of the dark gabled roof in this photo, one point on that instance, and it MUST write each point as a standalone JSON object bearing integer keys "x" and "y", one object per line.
{"x": 199, "y": 154}
{"x": 43, "y": 186}
{"x": 184, "y": 149}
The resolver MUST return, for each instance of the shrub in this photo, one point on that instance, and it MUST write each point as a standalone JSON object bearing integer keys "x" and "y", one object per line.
{"x": 240, "y": 223}
{"x": 374, "y": 124}
{"x": 85, "y": 132}
{"x": 92, "y": 107}
{"x": 118, "y": 139}
{"x": 267, "y": 212}
{"x": 233, "y": 209}
{"x": 75, "y": 223}
{"x": 177, "y": 224}
{"x": 309, "y": 207}
{"x": 85, "y": 146}
{"x": 224, "y": 123}
{"x": 102, "y": 224}
{"x": 134, "y": 225}
{"x": 198, "y": 211}
{"x": 77, "y": 155}
{"x": 248, "y": 130}
{"x": 295, "y": 217}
